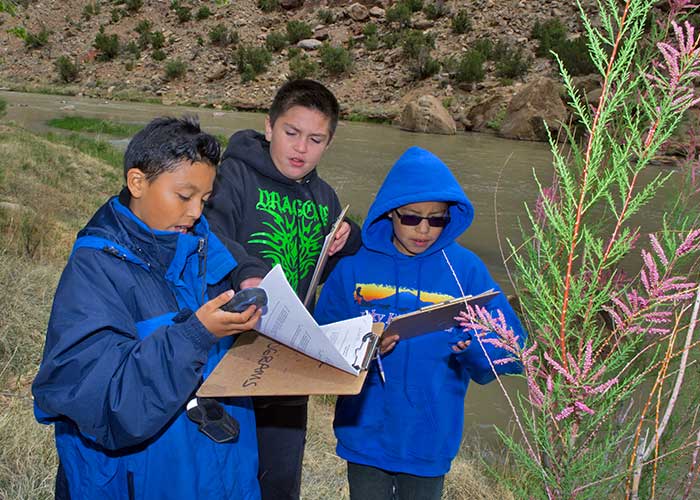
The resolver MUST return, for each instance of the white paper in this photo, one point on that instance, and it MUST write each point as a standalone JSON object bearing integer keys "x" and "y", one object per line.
{"x": 286, "y": 320}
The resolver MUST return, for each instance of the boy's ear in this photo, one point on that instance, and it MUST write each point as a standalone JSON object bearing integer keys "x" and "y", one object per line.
{"x": 268, "y": 129}
{"x": 136, "y": 182}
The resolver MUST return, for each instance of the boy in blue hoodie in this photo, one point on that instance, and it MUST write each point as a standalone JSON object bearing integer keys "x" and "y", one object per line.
{"x": 400, "y": 434}
{"x": 134, "y": 330}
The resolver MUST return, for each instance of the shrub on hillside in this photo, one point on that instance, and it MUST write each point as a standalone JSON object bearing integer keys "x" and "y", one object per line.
{"x": 550, "y": 34}
{"x": 133, "y": 5}
{"x": 184, "y": 14}
{"x": 67, "y": 69}
{"x": 512, "y": 64}
{"x": 108, "y": 45}
{"x": 115, "y": 15}
{"x": 416, "y": 43}
{"x": 91, "y": 9}
{"x": 220, "y": 35}
{"x": 37, "y": 40}
{"x": 575, "y": 56}
{"x": 399, "y": 14}
{"x": 157, "y": 39}
{"x": 174, "y": 69}
{"x": 470, "y": 68}
{"x": 133, "y": 49}
{"x": 293, "y": 52}
{"x": 302, "y": 66}
{"x": 298, "y": 30}
{"x": 414, "y": 5}
{"x": 275, "y": 41}
{"x": 3, "y": 106}
{"x": 252, "y": 61}
{"x": 203, "y": 13}
{"x": 158, "y": 55}
{"x": 461, "y": 22}
{"x": 325, "y": 16}
{"x": 485, "y": 47}
{"x": 436, "y": 10}
{"x": 335, "y": 60}
{"x": 268, "y": 5}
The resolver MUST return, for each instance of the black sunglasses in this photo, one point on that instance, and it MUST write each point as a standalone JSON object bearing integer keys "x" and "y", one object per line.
{"x": 414, "y": 220}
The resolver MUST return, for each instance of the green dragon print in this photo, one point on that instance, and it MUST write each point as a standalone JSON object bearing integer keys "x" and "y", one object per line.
{"x": 295, "y": 236}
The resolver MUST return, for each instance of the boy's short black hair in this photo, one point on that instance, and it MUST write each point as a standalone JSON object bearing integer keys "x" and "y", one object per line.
{"x": 162, "y": 144}
{"x": 308, "y": 94}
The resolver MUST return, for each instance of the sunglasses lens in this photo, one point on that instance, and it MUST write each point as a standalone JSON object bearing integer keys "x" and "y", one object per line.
{"x": 410, "y": 220}
{"x": 438, "y": 221}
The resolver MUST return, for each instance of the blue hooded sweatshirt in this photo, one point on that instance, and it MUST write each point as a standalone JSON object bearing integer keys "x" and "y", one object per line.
{"x": 125, "y": 353}
{"x": 412, "y": 423}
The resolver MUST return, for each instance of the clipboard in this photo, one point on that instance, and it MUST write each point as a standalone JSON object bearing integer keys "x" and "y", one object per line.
{"x": 435, "y": 317}
{"x": 323, "y": 257}
{"x": 259, "y": 366}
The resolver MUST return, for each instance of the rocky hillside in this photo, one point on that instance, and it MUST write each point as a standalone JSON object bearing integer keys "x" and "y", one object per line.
{"x": 196, "y": 56}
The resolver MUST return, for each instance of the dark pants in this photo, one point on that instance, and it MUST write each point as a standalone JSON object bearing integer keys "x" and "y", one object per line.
{"x": 370, "y": 483}
{"x": 61, "y": 492}
{"x": 281, "y": 434}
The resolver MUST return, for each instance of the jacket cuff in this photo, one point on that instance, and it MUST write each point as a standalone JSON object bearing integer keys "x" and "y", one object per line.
{"x": 197, "y": 333}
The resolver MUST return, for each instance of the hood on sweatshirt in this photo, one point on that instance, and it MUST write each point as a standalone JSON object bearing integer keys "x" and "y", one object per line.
{"x": 417, "y": 176}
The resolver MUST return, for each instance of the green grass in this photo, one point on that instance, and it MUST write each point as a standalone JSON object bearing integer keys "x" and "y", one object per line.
{"x": 94, "y": 125}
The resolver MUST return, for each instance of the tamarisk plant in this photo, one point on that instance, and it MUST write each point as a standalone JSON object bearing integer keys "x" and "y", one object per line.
{"x": 612, "y": 403}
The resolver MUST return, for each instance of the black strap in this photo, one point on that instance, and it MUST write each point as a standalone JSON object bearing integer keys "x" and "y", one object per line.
{"x": 214, "y": 421}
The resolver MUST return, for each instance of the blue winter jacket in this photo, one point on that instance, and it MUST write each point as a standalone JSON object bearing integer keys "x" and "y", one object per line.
{"x": 412, "y": 423}
{"x": 124, "y": 354}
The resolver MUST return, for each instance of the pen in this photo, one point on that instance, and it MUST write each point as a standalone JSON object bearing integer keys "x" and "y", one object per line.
{"x": 381, "y": 368}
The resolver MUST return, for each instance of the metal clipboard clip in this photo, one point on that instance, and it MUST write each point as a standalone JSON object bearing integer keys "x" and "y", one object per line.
{"x": 371, "y": 341}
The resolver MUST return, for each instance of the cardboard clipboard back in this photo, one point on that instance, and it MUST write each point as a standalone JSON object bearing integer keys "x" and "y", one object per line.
{"x": 435, "y": 317}
{"x": 259, "y": 366}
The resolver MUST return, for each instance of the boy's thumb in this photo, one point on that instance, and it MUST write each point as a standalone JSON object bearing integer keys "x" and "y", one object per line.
{"x": 222, "y": 298}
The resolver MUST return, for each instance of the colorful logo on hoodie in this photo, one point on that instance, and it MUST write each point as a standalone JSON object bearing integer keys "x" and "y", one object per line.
{"x": 385, "y": 302}
{"x": 295, "y": 233}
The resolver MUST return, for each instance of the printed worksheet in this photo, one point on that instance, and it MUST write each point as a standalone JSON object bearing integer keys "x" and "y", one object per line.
{"x": 286, "y": 320}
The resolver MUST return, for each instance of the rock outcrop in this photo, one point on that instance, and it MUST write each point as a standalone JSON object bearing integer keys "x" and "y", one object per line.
{"x": 427, "y": 114}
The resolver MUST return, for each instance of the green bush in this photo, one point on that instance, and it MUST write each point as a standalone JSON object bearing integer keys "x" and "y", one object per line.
{"x": 252, "y": 61}
{"x": 414, "y": 5}
{"x": 372, "y": 42}
{"x": 67, "y": 69}
{"x": 470, "y": 67}
{"x": 37, "y": 40}
{"x": 184, "y": 14}
{"x": 116, "y": 15}
{"x": 424, "y": 66}
{"x": 133, "y": 5}
{"x": 512, "y": 64}
{"x": 370, "y": 29}
{"x": 108, "y": 45}
{"x": 500, "y": 50}
{"x": 275, "y": 41}
{"x": 575, "y": 56}
{"x": 461, "y": 22}
{"x": 203, "y": 13}
{"x": 18, "y": 31}
{"x": 298, "y": 30}
{"x": 91, "y": 9}
{"x": 293, "y": 52}
{"x": 335, "y": 60}
{"x": 485, "y": 47}
{"x": 158, "y": 55}
{"x": 268, "y": 5}
{"x": 302, "y": 66}
{"x": 416, "y": 44}
{"x": 220, "y": 35}
{"x": 157, "y": 39}
{"x": 134, "y": 49}
{"x": 3, "y": 106}
{"x": 175, "y": 68}
{"x": 435, "y": 10}
{"x": 325, "y": 16}
{"x": 399, "y": 14}
{"x": 550, "y": 34}
{"x": 391, "y": 39}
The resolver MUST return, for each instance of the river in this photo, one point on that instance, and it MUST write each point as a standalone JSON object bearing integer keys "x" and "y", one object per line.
{"x": 496, "y": 174}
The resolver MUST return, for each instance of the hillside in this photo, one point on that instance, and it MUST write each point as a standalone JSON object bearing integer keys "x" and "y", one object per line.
{"x": 378, "y": 84}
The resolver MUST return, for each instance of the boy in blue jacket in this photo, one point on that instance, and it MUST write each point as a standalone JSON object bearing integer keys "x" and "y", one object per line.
{"x": 134, "y": 331}
{"x": 400, "y": 434}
